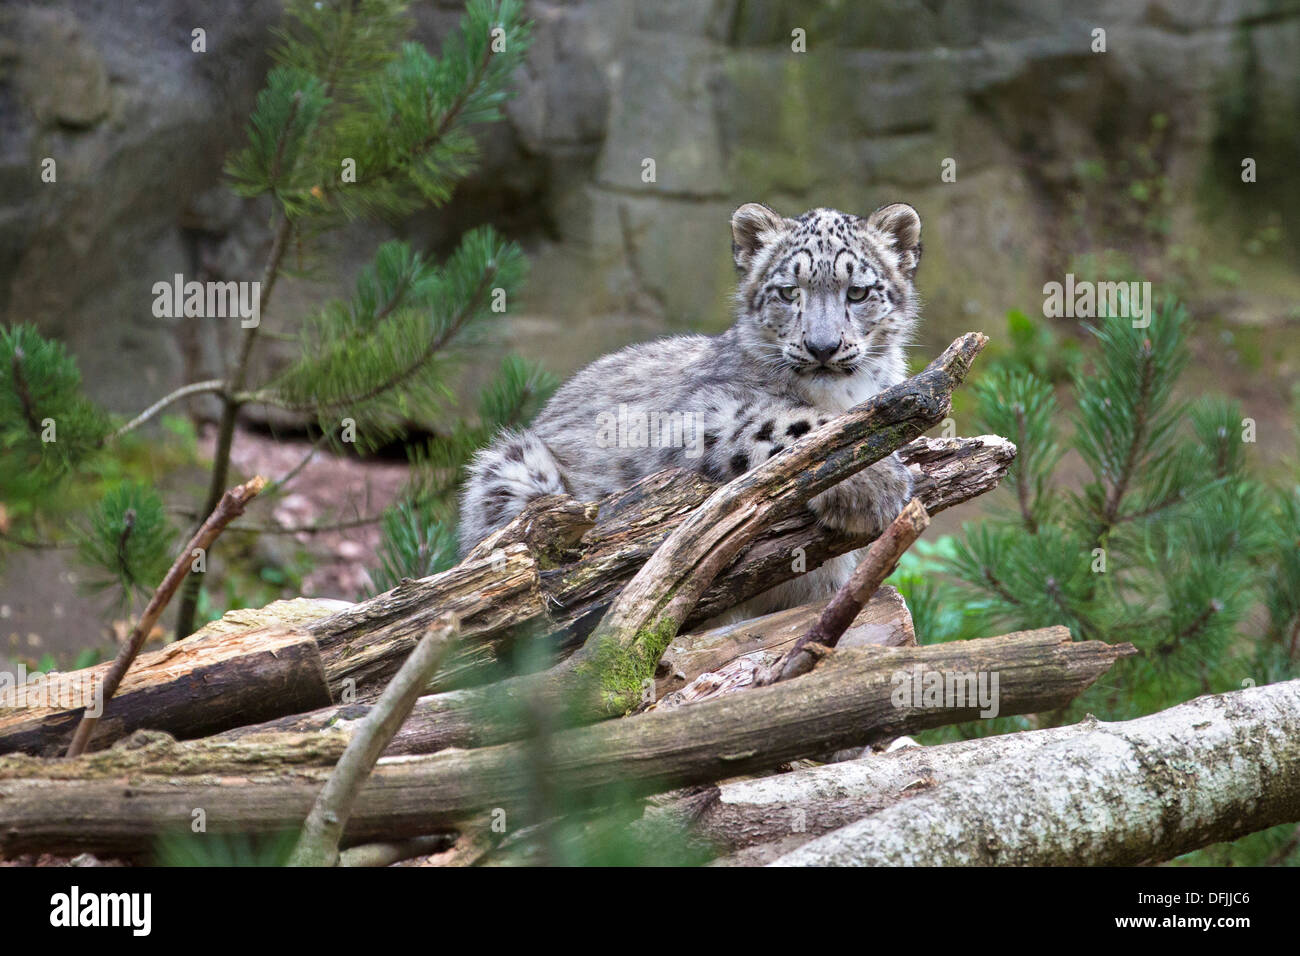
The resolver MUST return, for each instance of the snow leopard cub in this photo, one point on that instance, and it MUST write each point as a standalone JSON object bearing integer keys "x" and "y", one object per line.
{"x": 825, "y": 305}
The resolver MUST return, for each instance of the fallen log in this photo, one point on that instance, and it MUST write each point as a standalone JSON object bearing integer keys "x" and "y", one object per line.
{"x": 434, "y": 720}
{"x": 882, "y": 557}
{"x": 753, "y": 821}
{"x": 570, "y": 586}
{"x": 318, "y": 843}
{"x": 190, "y": 690}
{"x": 120, "y": 800}
{"x": 228, "y": 508}
{"x": 1119, "y": 794}
{"x": 884, "y": 621}
{"x": 504, "y": 593}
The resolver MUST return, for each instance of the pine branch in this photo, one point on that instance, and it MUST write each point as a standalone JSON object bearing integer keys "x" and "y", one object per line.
{"x": 124, "y": 566}
{"x": 1111, "y": 510}
{"x": 230, "y": 507}
{"x": 24, "y": 392}
{"x": 1022, "y": 484}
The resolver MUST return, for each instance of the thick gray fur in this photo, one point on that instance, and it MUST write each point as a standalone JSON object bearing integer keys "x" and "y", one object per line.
{"x": 826, "y": 303}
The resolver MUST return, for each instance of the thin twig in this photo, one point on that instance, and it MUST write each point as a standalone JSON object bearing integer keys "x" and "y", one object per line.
{"x": 882, "y": 557}
{"x": 319, "y": 843}
{"x": 185, "y": 391}
{"x": 228, "y": 509}
{"x": 279, "y": 484}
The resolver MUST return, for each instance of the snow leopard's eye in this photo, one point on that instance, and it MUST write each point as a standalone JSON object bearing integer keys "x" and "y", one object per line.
{"x": 788, "y": 292}
{"x": 857, "y": 293}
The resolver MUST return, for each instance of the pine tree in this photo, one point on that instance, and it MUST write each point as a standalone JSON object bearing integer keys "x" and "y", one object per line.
{"x": 354, "y": 122}
{"x": 1168, "y": 543}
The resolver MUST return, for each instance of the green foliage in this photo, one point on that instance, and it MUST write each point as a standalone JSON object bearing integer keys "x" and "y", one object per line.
{"x": 279, "y": 157}
{"x": 1167, "y": 542}
{"x": 343, "y": 43}
{"x": 1023, "y": 408}
{"x": 381, "y": 359}
{"x": 47, "y": 425}
{"x": 355, "y": 123}
{"x": 418, "y": 533}
{"x": 128, "y": 542}
{"x": 1033, "y": 346}
{"x": 416, "y": 540}
{"x": 223, "y": 849}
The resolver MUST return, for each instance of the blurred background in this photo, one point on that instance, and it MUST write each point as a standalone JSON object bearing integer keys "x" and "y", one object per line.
{"x": 1114, "y": 164}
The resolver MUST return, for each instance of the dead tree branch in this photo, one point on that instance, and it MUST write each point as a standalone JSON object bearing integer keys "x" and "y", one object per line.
{"x": 318, "y": 845}
{"x": 653, "y": 606}
{"x": 882, "y": 557}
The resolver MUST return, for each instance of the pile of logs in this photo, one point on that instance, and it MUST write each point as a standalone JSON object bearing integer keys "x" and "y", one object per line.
{"x": 386, "y": 730}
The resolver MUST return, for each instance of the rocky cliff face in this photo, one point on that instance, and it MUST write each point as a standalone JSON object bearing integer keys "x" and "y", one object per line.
{"x": 1047, "y": 139}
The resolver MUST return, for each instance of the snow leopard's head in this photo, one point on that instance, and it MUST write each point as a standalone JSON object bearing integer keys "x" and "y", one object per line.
{"x": 828, "y": 294}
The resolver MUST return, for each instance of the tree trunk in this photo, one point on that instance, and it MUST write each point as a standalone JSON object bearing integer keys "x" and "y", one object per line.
{"x": 1116, "y": 794}
{"x": 754, "y": 820}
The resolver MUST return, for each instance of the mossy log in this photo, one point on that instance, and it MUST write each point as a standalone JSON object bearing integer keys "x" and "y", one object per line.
{"x": 481, "y": 716}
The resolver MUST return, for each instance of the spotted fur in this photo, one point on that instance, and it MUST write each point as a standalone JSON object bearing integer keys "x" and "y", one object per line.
{"x": 825, "y": 305}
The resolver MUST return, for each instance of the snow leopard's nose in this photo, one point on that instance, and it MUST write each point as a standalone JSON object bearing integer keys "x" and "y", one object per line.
{"x": 821, "y": 349}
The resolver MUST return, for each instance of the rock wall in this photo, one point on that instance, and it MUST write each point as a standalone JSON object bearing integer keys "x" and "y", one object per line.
{"x": 1047, "y": 137}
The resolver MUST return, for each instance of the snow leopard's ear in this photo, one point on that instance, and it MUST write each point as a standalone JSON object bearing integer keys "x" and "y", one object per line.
{"x": 901, "y": 226}
{"x": 751, "y": 226}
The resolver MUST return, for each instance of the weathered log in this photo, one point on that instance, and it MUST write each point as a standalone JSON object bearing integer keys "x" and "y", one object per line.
{"x": 690, "y": 658}
{"x": 503, "y": 592}
{"x": 946, "y": 472}
{"x": 263, "y": 784}
{"x": 755, "y": 820}
{"x": 572, "y": 584}
{"x": 318, "y": 843}
{"x": 1137, "y": 791}
{"x": 451, "y": 716}
{"x": 191, "y": 689}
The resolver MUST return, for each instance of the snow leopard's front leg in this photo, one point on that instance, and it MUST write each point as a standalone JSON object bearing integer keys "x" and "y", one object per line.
{"x": 862, "y": 504}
